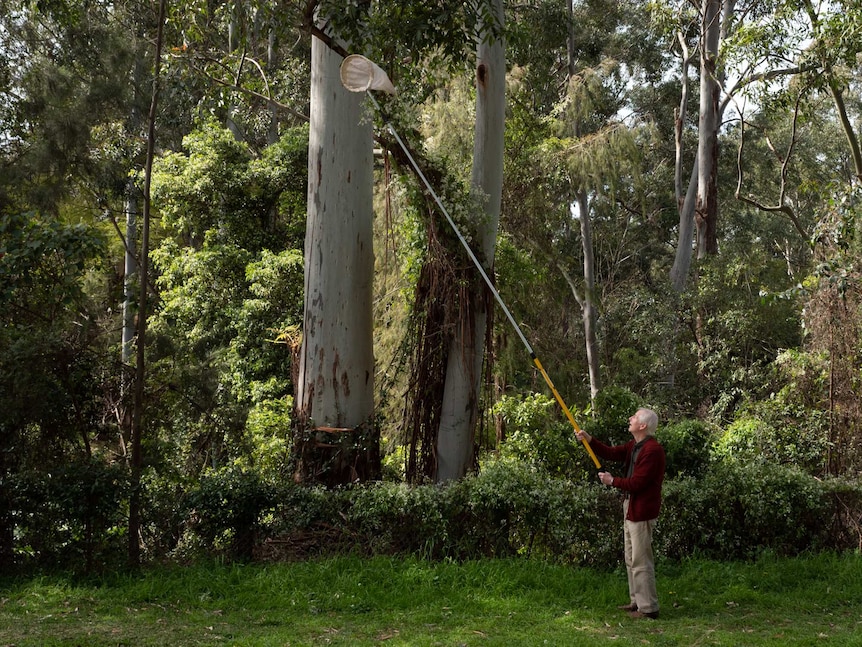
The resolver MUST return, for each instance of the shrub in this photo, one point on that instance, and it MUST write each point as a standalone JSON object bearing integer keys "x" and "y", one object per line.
{"x": 226, "y": 507}
{"x": 513, "y": 509}
{"x": 765, "y": 437}
{"x": 734, "y": 512}
{"x": 71, "y": 517}
{"x": 687, "y": 447}
{"x": 537, "y": 436}
{"x": 506, "y": 507}
{"x": 163, "y": 514}
{"x": 844, "y": 496}
{"x": 397, "y": 518}
{"x": 509, "y": 509}
{"x": 613, "y": 407}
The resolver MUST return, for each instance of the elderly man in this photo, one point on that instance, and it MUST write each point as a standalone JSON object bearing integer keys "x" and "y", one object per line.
{"x": 643, "y": 459}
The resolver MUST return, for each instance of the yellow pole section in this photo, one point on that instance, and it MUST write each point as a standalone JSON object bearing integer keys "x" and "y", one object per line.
{"x": 566, "y": 410}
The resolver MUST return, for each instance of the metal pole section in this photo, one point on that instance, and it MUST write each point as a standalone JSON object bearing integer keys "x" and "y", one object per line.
{"x": 463, "y": 241}
{"x": 490, "y": 285}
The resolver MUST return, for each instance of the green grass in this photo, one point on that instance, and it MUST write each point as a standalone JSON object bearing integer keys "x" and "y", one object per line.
{"x": 351, "y": 601}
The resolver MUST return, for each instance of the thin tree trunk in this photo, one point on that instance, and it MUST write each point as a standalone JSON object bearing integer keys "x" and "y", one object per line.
{"x": 271, "y": 64}
{"x": 699, "y": 208}
{"x": 685, "y": 202}
{"x": 129, "y": 275}
{"x": 682, "y": 261}
{"x": 137, "y": 431}
{"x": 588, "y": 307}
{"x": 587, "y": 302}
{"x": 459, "y": 415}
{"x": 234, "y": 31}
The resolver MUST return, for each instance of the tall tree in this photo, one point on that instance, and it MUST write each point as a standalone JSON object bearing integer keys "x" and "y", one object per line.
{"x": 698, "y": 209}
{"x": 335, "y": 389}
{"x": 436, "y": 35}
{"x": 589, "y": 154}
{"x": 715, "y": 16}
{"x": 136, "y": 436}
{"x": 466, "y": 355}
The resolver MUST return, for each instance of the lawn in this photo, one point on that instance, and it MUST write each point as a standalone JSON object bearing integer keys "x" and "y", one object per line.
{"x": 814, "y": 600}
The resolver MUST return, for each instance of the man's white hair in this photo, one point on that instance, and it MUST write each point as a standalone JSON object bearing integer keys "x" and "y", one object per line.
{"x": 649, "y": 418}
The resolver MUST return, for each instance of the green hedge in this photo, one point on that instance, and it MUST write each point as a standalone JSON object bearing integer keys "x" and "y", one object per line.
{"x": 71, "y": 517}
{"x": 728, "y": 512}
{"x": 511, "y": 509}
{"x": 735, "y": 512}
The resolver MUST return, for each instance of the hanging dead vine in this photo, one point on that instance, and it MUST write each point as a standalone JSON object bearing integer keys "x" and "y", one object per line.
{"x": 433, "y": 315}
{"x": 448, "y": 294}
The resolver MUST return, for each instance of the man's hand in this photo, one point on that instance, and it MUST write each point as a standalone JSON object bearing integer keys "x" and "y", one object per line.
{"x": 606, "y": 478}
{"x": 583, "y": 436}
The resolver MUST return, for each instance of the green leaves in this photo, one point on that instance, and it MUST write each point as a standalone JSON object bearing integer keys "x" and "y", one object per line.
{"x": 230, "y": 283}
{"x": 536, "y": 435}
{"x": 42, "y": 261}
{"x": 437, "y": 31}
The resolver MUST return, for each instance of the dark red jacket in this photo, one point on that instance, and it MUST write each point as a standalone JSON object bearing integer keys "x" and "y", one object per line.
{"x": 644, "y": 485}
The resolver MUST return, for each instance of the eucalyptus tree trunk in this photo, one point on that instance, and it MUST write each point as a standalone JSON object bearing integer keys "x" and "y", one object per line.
{"x": 336, "y": 437}
{"x": 459, "y": 415}
{"x": 685, "y": 200}
{"x": 272, "y": 61}
{"x": 588, "y": 303}
{"x": 706, "y": 210}
{"x": 698, "y": 209}
{"x": 233, "y": 44}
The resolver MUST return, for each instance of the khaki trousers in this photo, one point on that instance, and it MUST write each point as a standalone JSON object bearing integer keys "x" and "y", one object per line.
{"x": 640, "y": 562}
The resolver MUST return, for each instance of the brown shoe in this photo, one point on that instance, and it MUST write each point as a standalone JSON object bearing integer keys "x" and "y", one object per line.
{"x": 631, "y": 606}
{"x": 638, "y": 615}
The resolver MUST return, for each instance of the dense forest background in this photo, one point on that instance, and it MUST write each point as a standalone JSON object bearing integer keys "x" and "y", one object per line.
{"x": 679, "y": 227}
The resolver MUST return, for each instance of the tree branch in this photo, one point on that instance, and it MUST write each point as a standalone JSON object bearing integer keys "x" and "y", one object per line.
{"x": 781, "y": 206}
{"x": 234, "y": 85}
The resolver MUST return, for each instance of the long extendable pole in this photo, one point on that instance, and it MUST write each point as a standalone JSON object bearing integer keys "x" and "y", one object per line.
{"x": 488, "y": 282}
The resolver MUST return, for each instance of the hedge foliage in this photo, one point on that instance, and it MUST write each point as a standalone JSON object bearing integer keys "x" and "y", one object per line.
{"x": 510, "y": 508}
{"x": 75, "y": 514}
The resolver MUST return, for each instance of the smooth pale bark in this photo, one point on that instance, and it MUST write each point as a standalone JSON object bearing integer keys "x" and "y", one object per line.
{"x": 698, "y": 211}
{"x": 588, "y": 306}
{"x": 587, "y": 302}
{"x": 272, "y": 61}
{"x": 130, "y": 270}
{"x": 706, "y": 212}
{"x": 233, "y": 44}
{"x": 466, "y": 349}
{"x": 684, "y": 251}
{"x": 336, "y": 369}
{"x": 685, "y": 203}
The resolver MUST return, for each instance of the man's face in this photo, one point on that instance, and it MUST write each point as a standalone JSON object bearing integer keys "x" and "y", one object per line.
{"x": 635, "y": 424}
